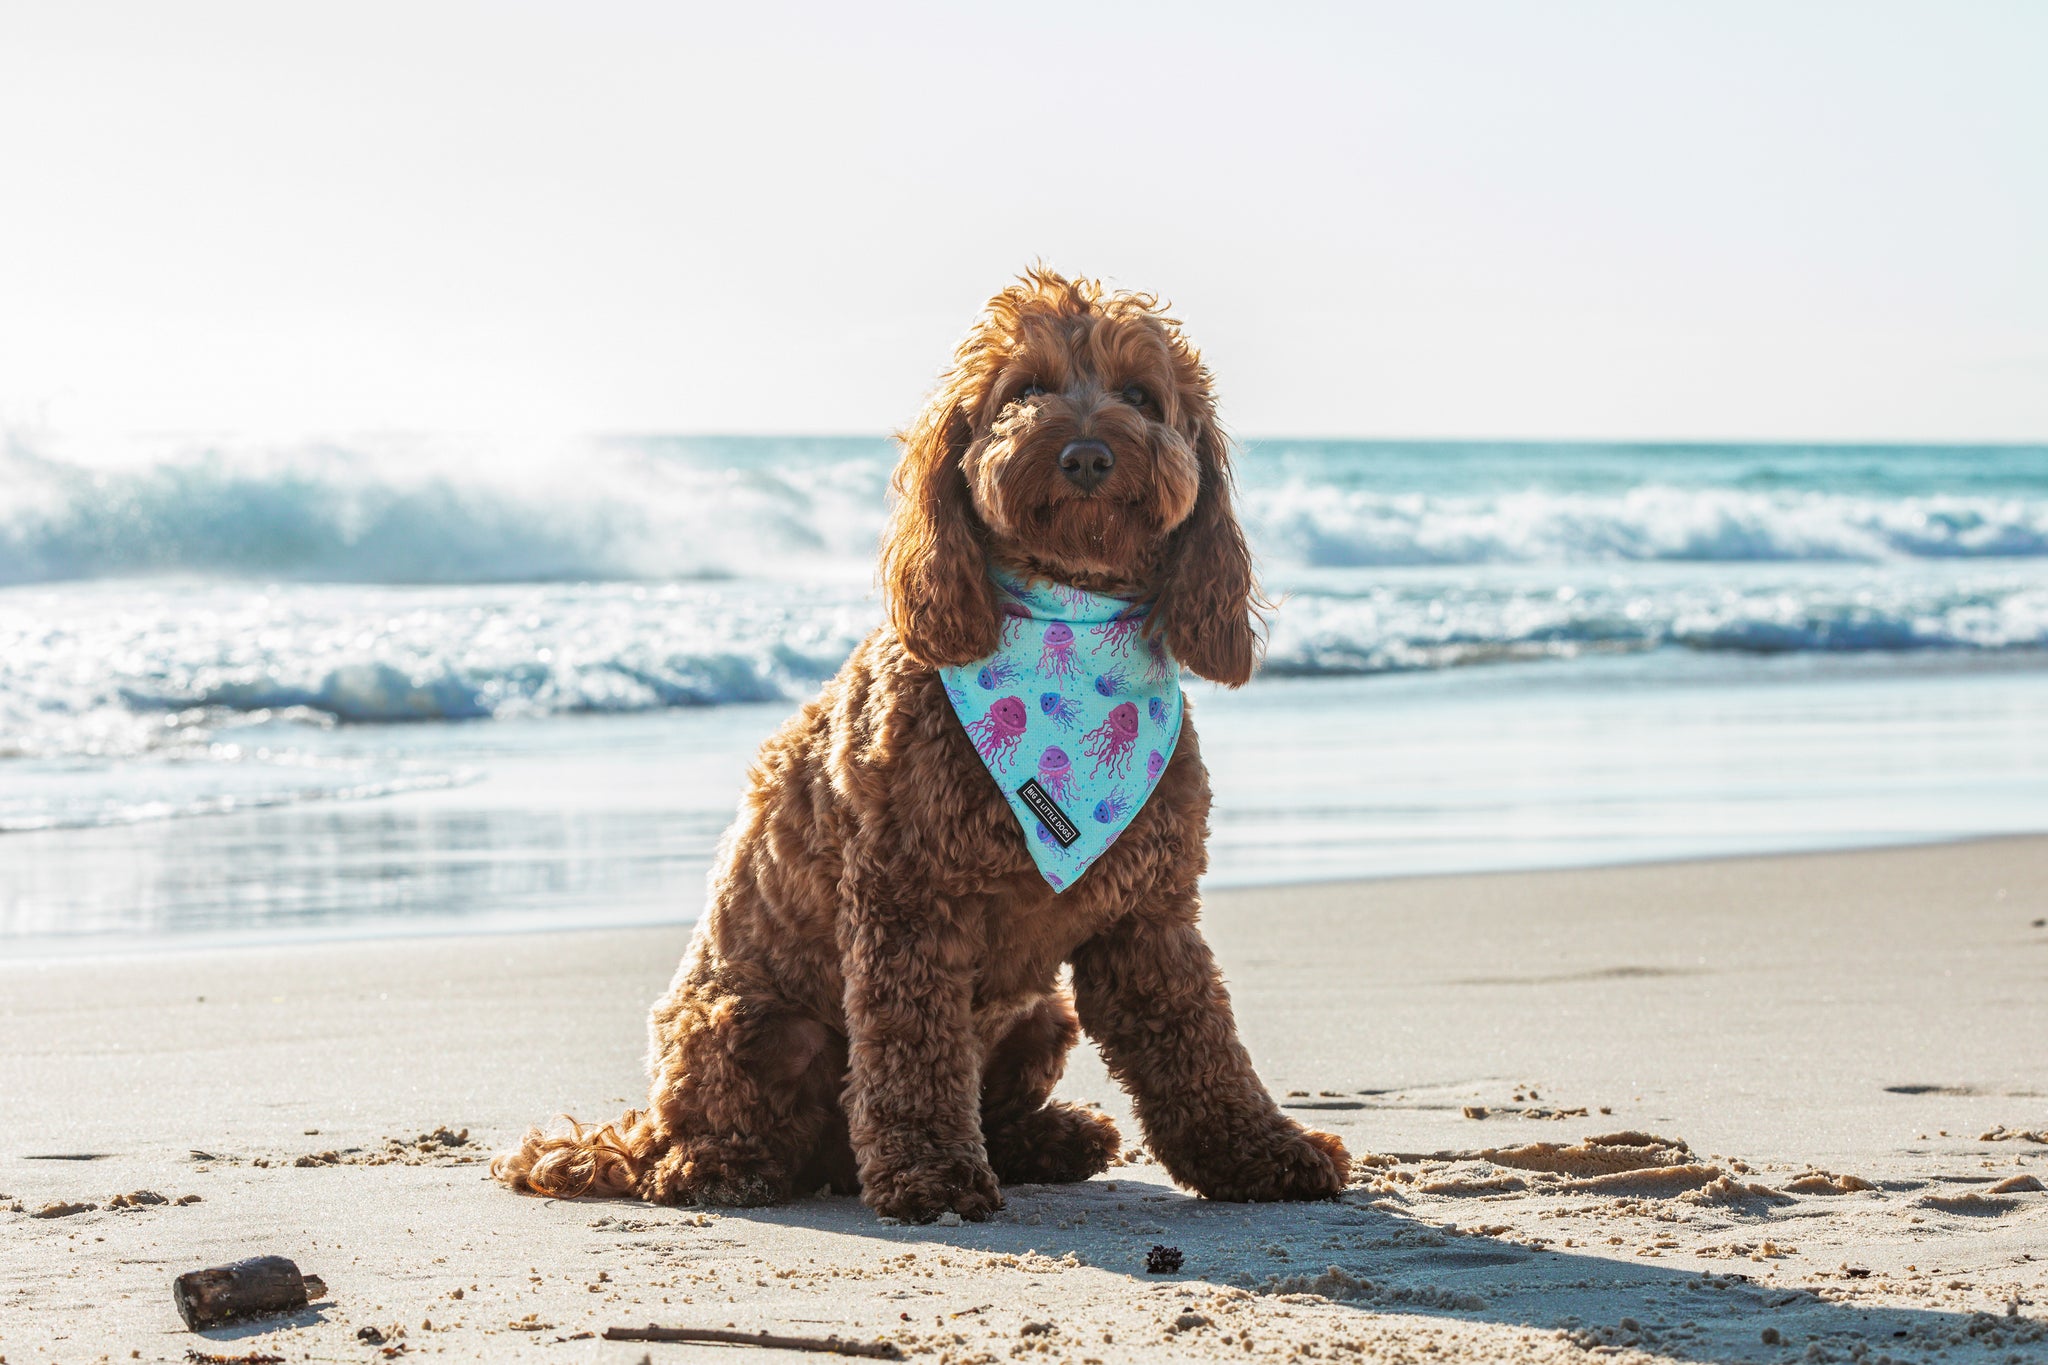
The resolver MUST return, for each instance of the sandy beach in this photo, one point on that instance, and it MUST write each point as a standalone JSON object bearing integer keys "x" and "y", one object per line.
{"x": 1582, "y": 467}
{"x": 1754, "y": 1109}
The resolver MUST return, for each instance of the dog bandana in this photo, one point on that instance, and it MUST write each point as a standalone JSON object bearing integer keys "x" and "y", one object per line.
{"x": 1075, "y": 715}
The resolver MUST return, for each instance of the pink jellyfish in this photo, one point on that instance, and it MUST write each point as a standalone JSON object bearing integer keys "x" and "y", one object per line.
{"x": 1155, "y": 764}
{"x": 1119, "y": 630}
{"x": 997, "y": 734}
{"x": 1072, "y": 596}
{"x": 1056, "y": 772}
{"x": 1110, "y": 743}
{"x": 997, "y": 672}
{"x": 1056, "y": 660}
{"x": 1014, "y": 615}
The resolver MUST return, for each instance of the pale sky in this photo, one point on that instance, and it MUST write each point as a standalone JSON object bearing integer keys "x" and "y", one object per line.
{"x": 1631, "y": 220}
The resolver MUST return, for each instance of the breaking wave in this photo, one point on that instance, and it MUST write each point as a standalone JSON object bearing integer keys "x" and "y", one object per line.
{"x": 112, "y": 669}
{"x": 1443, "y": 625}
{"x": 404, "y": 511}
{"x": 464, "y": 511}
{"x": 1310, "y": 525}
{"x": 159, "y": 595}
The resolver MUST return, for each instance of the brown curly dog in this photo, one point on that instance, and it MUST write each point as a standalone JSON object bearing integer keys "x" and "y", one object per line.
{"x": 871, "y": 998}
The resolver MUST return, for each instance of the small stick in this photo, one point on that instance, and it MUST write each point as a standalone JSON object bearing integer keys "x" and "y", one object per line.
{"x": 879, "y": 1350}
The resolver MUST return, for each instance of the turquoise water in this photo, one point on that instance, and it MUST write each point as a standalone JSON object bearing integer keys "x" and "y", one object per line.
{"x": 1474, "y": 468}
{"x": 351, "y": 686}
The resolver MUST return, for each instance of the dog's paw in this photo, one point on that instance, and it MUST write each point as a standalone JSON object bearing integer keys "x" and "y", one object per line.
{"x": 1314, "y": 1165}
{"x": 1291, "y": 1162}
{"x": 689, "y": 1175}
{"x": 1055, "y": 1145}
{"x": 918, "y": 1191}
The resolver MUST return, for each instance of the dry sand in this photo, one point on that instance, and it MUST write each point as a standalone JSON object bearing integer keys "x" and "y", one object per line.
{"x": 1765, "y": 1109}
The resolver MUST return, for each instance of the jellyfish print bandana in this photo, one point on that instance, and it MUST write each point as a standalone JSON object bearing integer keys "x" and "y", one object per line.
{"x": 1075, "y": 715}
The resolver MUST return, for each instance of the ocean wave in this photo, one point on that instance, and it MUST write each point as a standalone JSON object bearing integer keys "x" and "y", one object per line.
{"x": 374, "y": 691}
{"x": 1395, "y": 629}
{"x": 1311, "y": 524}
{"x": 120, "y": 669}
{"x": 463, "y": 511}
{"x": 105, "y": 671}
{"x": 437, "y": 511}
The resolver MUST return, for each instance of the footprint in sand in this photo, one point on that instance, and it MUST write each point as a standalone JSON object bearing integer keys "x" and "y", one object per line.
{"x": 1971, "y": 1205}
{"x": 1821, "y": 1182}
{"x": 1596, "y": 1156}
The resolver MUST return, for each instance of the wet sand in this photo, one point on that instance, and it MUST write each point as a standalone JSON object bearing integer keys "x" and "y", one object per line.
{"x": 1789, "y": 1108}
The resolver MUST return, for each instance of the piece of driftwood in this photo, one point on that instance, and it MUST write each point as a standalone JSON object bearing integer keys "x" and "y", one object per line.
{"x": 256, "y": 1288}
{"x": 877, "y": 1350}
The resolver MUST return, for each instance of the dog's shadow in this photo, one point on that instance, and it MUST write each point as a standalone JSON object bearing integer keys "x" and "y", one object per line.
{"x": 1376, "y": 1257}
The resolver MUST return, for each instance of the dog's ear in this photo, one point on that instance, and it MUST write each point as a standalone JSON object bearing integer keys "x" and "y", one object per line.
{"x": 934, "y": 567}
{"x": 1207, "y": 599}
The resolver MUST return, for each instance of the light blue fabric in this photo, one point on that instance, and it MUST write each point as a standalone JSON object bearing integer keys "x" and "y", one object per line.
{"x": 1075, "y": 716}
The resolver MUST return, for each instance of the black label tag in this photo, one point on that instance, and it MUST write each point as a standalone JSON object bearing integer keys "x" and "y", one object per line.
{"x": 1054, "y": 818}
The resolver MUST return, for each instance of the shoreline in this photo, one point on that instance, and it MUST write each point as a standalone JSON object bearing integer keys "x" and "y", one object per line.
{"x": 162, "y": 946}
{"x": 63, "y": 950}
{"x": 615, "y": 818}
{"x": 1869, "y": 1021}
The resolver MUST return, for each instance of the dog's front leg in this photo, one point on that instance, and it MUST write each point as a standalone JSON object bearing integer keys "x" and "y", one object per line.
{"x": 913, "y": 1087}
{"x": 1151, "y": 997}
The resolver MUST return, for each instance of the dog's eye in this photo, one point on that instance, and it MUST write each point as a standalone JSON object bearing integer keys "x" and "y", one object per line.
{"x": 1032, "y": 390}
{"x": 1135, "y": 395}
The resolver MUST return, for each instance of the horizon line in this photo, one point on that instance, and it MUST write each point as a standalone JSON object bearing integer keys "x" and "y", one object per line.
{"x": 11, "y": 432}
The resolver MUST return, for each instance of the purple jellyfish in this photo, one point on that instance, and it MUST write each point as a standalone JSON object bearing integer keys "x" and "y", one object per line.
{"x": 1060, "y": 710}
{"x": 1156, "y": 708}
{"x": 1158, "y": 667}
{"x": 997, "y": 672}
{"x": 1112, "y": 682}
{"x": 1056, "y": 772}
{"x": 1112, "y": 808}
{"x": 1056, "y": 660}
{"x": 997, "y": 734}
{"x": 1110, "y": 743}
{"x": 1155, "y": 764}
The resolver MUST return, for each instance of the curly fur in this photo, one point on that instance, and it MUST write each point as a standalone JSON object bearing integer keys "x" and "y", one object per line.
{"x": 871, "y": 999}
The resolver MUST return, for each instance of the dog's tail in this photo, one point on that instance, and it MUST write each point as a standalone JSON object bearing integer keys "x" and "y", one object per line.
{"x": 594, "y": 1159}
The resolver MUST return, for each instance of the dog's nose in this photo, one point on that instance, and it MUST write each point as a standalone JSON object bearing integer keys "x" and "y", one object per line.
{"x": 1086, "y": 463}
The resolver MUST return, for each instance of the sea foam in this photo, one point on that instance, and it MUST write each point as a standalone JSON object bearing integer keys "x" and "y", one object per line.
{"x": 125, "y": 668}
{"x": 154, "y": 592}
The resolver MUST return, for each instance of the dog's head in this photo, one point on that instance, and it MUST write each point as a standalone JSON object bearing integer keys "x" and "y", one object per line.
{"x": 1075, "y": 438}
